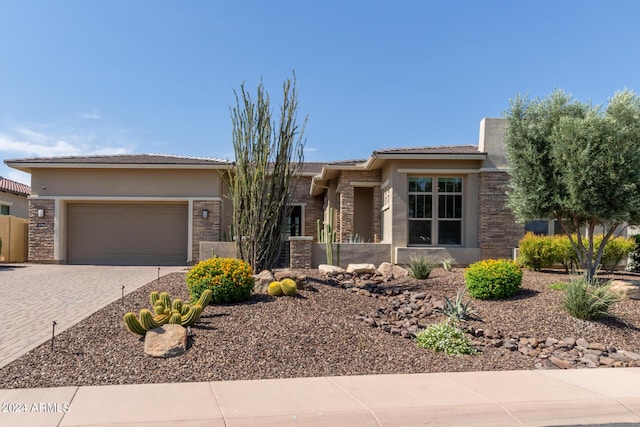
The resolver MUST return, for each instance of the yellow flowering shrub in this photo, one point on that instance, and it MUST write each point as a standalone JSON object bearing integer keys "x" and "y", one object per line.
{"x": 493, "y": 278}
{"x": 229, "y": 279}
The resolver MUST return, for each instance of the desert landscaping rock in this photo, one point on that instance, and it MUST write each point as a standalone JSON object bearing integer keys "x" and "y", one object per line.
{"x": 361, "y": 268}
{"x": 262, "y": 281}
{"x": 627, "y": 288}
{"x": 392, "y": 271}
{"x": 330, "y": 269}
{"x": 166, "y": 341}
{"x": 331, "y": 329}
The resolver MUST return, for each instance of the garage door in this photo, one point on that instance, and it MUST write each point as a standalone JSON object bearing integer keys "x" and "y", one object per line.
{"x": 127, "y": 234}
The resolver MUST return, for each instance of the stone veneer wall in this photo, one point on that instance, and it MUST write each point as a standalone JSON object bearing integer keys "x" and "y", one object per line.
{"x": 499, "y": 232}
{"x": 345, "y": 188}
{"x": 300, "y": 252}
{"x": 41, "y": 231}
{"x": 205, "y": 229}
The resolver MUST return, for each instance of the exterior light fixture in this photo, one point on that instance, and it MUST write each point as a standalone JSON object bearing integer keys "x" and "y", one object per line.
{"x": 205, "y": 213}
{"x": 40, "y": 213}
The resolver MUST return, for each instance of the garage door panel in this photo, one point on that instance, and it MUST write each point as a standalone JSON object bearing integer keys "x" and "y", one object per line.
{"x": 123, "y": 234}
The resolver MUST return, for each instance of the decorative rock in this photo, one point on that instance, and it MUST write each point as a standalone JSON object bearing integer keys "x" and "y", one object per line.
{"x": 607, "y": 361}
{"x": 597, "y": 346}
{"x": 561, "y": 363}
{"x": 361, "y": 268}
{"x": 508, "y": 345}
{"x": 626, "y": 288}
{"x": 166, "y": 341}
{"x": 581, "y": 342}
{"x": 630, "y": 355}
{"x": 550, "y": 342}
{"x": 330, "y": 270}
{"x": 569, "y": 342}
{"x": 262, "y": 281}
{"x": 392, "y": 271}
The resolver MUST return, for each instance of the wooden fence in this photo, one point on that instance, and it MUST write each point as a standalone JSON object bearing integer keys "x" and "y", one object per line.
{"x": 14, "y": 234}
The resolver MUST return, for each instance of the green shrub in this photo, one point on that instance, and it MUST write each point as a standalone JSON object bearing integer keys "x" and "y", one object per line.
{"x": 563, "y": 252}
{"x": 447, "y": 337}
{"x": 535, "y": 252}
{"x": 229, "y": 279}
{"x": 421, "y": 266}
{"x": 587, "y": 301}
{"x": 615, "y": 250}
{"x": 492, "y": 278}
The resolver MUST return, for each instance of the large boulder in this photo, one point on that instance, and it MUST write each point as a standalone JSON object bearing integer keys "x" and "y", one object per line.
{"x": 166, "y": 341}
{"x": 392, "y": 271}
{"x": 330, "y": 270}
{"x": 262, "y": 281}
{"x": 628, "y": 289}
{"x": 361, "y": 269}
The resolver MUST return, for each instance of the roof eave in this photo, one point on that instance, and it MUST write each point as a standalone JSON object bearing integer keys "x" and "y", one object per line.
{"x": 29, "y": 166}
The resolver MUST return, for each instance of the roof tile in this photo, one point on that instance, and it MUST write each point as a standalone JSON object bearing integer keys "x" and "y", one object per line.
{"x": 13, "y": 187}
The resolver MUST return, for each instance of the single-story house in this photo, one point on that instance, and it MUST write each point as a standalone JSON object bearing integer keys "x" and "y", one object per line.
{"x": 13, "y": 198}
{"x": 157, "y": 209}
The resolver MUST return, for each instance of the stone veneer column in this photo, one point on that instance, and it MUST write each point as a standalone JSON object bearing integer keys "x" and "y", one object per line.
{"x": 345, "y": 226}
{"x": 377, "y": 206}
{"x": 207, "y": 230}
{"x": 499, "y": 232}
{"x": 300, "y": 251}
{"x": 41, "y": 231}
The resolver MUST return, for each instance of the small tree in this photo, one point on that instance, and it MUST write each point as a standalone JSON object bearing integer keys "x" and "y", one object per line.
{"x": 269, "y": 158}
{"x": 576, "y": 163}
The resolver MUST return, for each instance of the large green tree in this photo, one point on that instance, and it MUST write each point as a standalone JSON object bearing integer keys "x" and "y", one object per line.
{"x": 268, "y": 159}
{"x": 577, "y": 163}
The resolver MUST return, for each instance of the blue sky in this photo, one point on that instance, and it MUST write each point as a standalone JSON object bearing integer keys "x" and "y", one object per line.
{"x": 84, "y": 77}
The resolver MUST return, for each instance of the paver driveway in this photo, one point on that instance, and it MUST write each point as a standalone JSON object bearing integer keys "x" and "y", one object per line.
{"x": 40, "y": 294}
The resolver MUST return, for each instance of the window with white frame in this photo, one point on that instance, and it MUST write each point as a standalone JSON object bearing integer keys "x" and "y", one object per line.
{"x": 435, "y": 210}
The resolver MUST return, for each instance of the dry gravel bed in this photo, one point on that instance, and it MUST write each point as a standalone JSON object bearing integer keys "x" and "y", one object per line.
{"x": 313, "y": 334}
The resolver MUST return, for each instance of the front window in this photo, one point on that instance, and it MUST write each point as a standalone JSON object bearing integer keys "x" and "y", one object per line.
{"x": 4, "y": 210}
{"x": 435, "y": 211}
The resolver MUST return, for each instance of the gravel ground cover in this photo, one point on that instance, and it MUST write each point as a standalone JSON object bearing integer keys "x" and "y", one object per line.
{"x": 319, "y": 332}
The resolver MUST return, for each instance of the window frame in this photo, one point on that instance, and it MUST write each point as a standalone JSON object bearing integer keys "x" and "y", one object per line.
{"x": 435, "y": 194}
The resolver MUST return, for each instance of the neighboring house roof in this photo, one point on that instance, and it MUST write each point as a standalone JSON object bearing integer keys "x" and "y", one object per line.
{"x": 122, "y": 160}
{"x": 449, "y": 149}
{"x": 9, "y": 186}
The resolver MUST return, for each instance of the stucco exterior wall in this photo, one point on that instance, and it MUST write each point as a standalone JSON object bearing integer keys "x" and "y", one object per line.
{"x": 397, "y": 175}
{"x": 126, "y": 182}
{"x": 18, "y": 205}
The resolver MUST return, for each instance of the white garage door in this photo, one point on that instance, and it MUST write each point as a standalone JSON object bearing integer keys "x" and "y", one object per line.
{"x": 127, "y": 234}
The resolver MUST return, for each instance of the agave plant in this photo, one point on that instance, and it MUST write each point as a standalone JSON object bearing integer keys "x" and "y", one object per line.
{"x": 457, "y": 309}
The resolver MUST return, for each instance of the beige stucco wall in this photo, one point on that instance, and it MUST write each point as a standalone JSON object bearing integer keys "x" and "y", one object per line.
{"x": 18, "y": 205}
{"x": 491, "y": 140}
{"x": 142, "y": 182}
{"x": 397, "y": 218}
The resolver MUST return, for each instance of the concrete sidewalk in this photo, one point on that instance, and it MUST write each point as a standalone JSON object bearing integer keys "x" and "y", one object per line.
{"x": 512, "y": 398}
